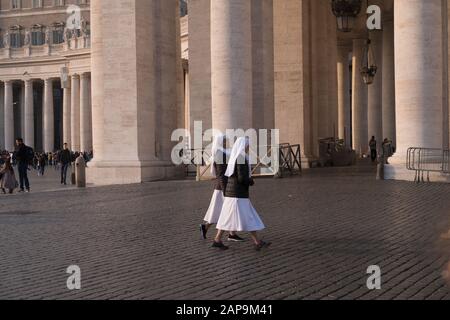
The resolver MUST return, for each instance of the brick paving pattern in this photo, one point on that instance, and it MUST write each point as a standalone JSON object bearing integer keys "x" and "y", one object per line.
{"x": 141, "y": 241}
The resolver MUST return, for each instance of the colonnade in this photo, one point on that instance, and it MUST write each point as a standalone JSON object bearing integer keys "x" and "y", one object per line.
{"x": 76, "y": 100}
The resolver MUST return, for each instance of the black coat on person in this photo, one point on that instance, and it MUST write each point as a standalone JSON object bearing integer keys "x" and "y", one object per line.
{"x": 65, "y": 157}
{"x": 221, "y": 180}
{"x": 239, "y": 183}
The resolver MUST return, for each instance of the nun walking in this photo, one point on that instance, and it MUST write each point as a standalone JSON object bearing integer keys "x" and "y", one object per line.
{"x": 238, "y": 213}
{"x": 219, "y": 154}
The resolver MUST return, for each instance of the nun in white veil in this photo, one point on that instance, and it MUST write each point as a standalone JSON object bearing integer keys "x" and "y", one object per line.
{"x": 238, "y": 213}
{"x": 218, "y": 162}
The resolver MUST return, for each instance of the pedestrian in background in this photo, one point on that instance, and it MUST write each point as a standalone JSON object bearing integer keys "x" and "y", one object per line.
{"x": 24, "y": 157}
{"x": 65, "y": 158}
{"x": 373, "y": 149}
{"x": 8, "y": 179}
{"x": 42, "y": 162}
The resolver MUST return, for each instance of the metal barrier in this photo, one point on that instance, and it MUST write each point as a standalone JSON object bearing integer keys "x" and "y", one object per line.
{"x": 288, "y": 161}
{"x": 426, "y": 160}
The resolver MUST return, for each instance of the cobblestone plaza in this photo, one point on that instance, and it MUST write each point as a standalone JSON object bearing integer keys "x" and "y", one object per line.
{"x": 122, "y": 84}
{"x": 141, "y": 241}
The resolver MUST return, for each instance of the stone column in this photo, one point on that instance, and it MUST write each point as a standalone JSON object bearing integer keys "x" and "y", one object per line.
{"x": 85, "y": 114}
{"x": 200, "y": 64}
{"x": 344, "y": 104}
{"x": 67, "y": 116}
{"x": 29, "y": 114}
{"x": 21, "y": 114}
{"x": 231, "y": 64}
{"x": 133, "y": 123}
{"x": 9, "y": 116}
{"x": 320, "y": 77}
{"x": 263, "y": 64}
{"x": 374, "y": 103}
{"x": 187, "y": 91}
{"x": 75, "y": 113}
{"x": 446, "y": 73}
{"x": 2, "y": 116}
{"x": 388, "y": 75}
{"x": 48, "y": 113}
{"x": 292, "y": 58}
{"x": 332, "y": 51}
{"x": 181, "y": 115}
{"x": 359, "y": 101}
{"x": 418, "y": 27}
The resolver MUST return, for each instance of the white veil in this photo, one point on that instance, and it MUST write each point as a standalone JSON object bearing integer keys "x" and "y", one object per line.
{"x": 216, "y": 147}
{"x": 238, "y": 150}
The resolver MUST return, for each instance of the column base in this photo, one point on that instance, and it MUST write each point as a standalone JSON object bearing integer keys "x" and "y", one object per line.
{"x": 308, "y": 162}
{"x": 133, "y": 172}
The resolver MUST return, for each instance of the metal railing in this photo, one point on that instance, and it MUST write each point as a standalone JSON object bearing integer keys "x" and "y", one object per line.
{"x": 290, "y": 159}
{"x": 427, "y": 160}
{"x": 287, "y": 162}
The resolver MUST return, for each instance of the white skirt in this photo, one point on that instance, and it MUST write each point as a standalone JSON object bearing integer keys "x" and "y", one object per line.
{"x": 239, "y": 215}
{"x": 215, "y": 208}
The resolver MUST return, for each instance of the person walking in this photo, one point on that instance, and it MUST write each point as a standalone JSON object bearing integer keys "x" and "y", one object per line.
{"x": 373, "y": 149}
{"x": 8, "y": 179}
{"x": 219, "y": 154}
{"x": 23, "y": 156}
{"x": 65, "y": 158}
{"x": 238, "y": 213}
{"x": 42, "y": 162}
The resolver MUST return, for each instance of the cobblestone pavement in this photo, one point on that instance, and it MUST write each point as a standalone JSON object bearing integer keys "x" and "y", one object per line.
{"x": 141, "y": 241}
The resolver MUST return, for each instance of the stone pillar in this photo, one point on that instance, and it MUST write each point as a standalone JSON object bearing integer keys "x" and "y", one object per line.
{"x": 359, "y": 101}
{"x": 388, "y": 75}
{"x": 263, "y": 64}
{"x": 137, "y": 118}
{"x": 21, "y": 114}
{"x": 320, "y": 76}
{"x": 181, "y": 115}
{"x": 187, "y": 99}
{"x": 375, "y": 96}
{"x": 231, "y": 64}
{"x": 67, "y": 113}
{"x": 331, "y": 59}
{"x": 418, "y": 27}
{"x": 9, "y": 116}
{"x": 447, "y": 40}
{"x": 75, "y": 113}
{"x": 29, "y": 114}
{"x": 445, "y": 75}
{"x": 292, "y": 60}
{"x": 200, "y": 64}
{"x": 2, "y": 116}
{"x": 48, "y": 113}
{"x": 344, "y": 104}
{"x": 85, "y": 114}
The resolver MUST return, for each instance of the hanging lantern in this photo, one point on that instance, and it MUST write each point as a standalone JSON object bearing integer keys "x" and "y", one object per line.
{"x": 346, "y": 12}
{"x": 369, "y": 67}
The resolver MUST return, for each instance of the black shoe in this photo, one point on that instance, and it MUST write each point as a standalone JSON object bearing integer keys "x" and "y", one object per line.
{"x": 203, "y": 231}
{"x": 21, "y": 191}
{"x": 262, "y": 245}
{"x": 235, "y": 238}
{"x": 219, "y": 245}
